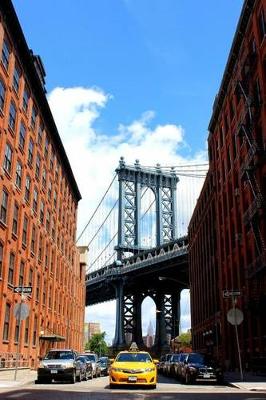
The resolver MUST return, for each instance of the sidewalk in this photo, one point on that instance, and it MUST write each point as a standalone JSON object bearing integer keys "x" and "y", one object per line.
{"x": 24, "y": 376}
{"x": 251, "y": 381}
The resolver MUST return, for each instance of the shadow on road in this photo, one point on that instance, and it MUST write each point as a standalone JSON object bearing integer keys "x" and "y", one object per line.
{"x": 118, "y": 394}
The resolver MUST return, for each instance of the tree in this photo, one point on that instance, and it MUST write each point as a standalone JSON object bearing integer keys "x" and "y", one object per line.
{"x": 185, "y": 338}
{"x": 97, "y": 344}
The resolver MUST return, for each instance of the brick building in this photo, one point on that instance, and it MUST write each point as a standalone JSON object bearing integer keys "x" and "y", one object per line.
{"x": 38, "y": 210}
{"x": 227, "y": 232}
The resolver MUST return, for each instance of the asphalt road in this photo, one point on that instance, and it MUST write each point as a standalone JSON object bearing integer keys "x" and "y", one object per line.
{"x": 98, "y": 389}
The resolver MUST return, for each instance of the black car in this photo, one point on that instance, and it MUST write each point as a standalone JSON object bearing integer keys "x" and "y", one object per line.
{"x": 199, "y": 367}
{"x": 86, "y": 371}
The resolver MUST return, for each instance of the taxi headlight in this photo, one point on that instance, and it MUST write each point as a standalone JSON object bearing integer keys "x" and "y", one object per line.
{"x": 116, "y": 369}
{"x": 149, "y": 369}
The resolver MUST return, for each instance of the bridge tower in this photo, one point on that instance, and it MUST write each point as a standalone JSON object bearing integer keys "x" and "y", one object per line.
{"x": 132, "y": 181}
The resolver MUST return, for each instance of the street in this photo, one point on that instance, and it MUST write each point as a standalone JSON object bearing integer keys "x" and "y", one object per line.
{"x": 98, "y": 389}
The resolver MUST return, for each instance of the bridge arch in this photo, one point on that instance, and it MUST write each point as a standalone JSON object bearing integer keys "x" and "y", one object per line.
{"x": 147, "y": 218}
{"x": 148, "y": 323}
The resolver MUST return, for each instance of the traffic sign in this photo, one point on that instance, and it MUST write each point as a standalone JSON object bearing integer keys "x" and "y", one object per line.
{"x": 23, "y": 289}
{"x": 231, "y": 293}
{"x": 21, "y": 311}
{"x": 235, "y": 316}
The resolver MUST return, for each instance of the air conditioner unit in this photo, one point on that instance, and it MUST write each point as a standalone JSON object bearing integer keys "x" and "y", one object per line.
{"x": 238, "y": 237}
{"x": 237, "y": 192}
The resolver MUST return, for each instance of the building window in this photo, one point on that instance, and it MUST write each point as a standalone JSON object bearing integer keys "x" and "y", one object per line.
{"x": 25, "y": 230}
{"x": 19, "y": 174}
{"x": 15, "y": 219}
{"x": 27, "y": 188}
{"x": 16, "y": 336}
{"x": 47, "y": 256}
{"x": 30, "y": 282}
{"x": 25, "y": 101}
{"x": 6, "y": 322}
{"x": 42, "y": 211}
{"x": 44, "y": 293}
{"x": 12, "y": 116}
{"x": 34, "y": 337}
{"x": 46, "y": 147}
{"x": 8, "y": 159}
{"x": 38, "y": 166}
{"x": 48, "y": 219}
{"x": 35, "y": 200}
{"x": 11, "y": 268}
{"x": 262, "y": 25}
{"x": 40, "y": 134}
{"x": 5, "y": 54}
{"x": 30, "y": 151}
{"x": 52, "y": 159}
{"x": 50, "y": 190}
{"x": 22, "y": 135}
{"x": 1, "y": 258}
{"x": 33, "y": 239}
{"x": 3, "y": 211}
{"x": 33, "y": 117}
{"x": 38, "y": 287}
{"x": 16, "y": 78}
{"x": 40, "y": 249}
{"x": 21, "y": 273}
{"x": 44, "y": 178}
{"x": 2, "y": 95}
{"x": 26, "y": 333}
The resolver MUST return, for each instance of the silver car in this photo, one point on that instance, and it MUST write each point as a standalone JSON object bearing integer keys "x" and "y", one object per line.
{"x": 93, "y": 358}
{"x": 59, "y": 365}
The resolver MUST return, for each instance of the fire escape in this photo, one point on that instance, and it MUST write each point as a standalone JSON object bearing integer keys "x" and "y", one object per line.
{"x": 250, "y": 91}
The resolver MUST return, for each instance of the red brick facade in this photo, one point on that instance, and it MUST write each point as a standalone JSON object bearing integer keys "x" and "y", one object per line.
{"x": 38, "y": 210}
{"x": 227, "y": 232}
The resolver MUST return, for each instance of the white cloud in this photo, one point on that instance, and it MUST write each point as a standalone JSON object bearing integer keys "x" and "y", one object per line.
{"x": 94, "y": 157}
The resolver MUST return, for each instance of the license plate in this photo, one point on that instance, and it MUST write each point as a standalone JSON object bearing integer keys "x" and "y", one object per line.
{"x": 206, "y": 376}
{"x": 53, "y": 371}
{"x": 132, "y": 379}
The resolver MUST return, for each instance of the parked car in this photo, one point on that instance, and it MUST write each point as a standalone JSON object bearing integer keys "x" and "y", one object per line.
{"x": 93, "y": 358}
{"x": 172, "y": 364}
{"x": 199, "y": 367}
{"x": 160, "y": 364}
{"x": 179, "y": 364}
{"x": 59, "y": 365}
{"x": 166, "y": 365}
{"x": 86, "y": 367}
{"x": 104, "y": 365}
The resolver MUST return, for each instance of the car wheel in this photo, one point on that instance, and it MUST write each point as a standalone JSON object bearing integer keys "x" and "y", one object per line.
{"x": 73, "y": 378}
{"x": 152, "y": 386}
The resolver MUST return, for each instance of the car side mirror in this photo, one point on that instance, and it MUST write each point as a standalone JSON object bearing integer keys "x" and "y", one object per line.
{"x": 155, "y": 361}
{"x": 112, "y": 360}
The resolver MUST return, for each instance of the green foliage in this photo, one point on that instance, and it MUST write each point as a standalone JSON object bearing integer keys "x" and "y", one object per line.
{"x": 97, "y": 344}
{"x": 185, "y": 338}
{"x": 87, "y": 346}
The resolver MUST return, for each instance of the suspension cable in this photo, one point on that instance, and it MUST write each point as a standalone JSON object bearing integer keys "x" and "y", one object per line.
{"x": 103, "y": 197}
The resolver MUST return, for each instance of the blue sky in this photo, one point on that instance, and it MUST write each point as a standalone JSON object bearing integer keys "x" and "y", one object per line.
{"x": 164, "y": 55}
{"x": 133, "y": 78}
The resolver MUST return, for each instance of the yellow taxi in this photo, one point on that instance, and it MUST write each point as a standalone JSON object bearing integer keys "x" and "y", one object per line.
{"x": 133, "y": 367}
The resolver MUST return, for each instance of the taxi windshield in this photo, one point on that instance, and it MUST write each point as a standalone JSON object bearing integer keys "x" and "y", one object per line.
{"x": 133, "y": 357}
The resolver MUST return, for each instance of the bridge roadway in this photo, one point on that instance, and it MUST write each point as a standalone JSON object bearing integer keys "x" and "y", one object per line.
{"x": 140, "y": 273}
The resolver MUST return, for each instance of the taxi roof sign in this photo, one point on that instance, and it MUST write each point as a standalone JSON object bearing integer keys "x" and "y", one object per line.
{"x": 133, "y": 347}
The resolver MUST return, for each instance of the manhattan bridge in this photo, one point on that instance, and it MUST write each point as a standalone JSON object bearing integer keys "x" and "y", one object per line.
{"x": 138, "y": 246}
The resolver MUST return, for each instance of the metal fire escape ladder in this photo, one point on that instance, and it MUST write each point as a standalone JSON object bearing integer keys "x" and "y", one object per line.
{"x": 250, "y": 215}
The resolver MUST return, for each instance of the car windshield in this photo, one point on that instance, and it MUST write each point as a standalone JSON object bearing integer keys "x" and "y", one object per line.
{"x": 59, "y": 355}
{"x": 90, "y": 357}
{"x": 82, "y": 359}
{"x": 133, "y": 357}
{"x": 196, "y": 358}
{"x": 175, "y": 358}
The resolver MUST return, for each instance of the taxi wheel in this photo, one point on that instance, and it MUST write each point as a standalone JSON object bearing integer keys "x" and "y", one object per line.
{"x": 152, "y": 386}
